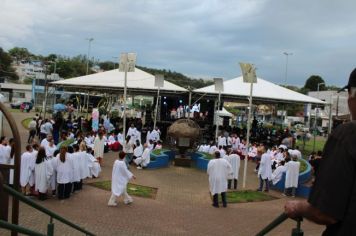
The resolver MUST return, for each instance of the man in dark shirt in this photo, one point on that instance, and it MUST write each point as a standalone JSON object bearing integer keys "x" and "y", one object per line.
{"x": 332, "y": 201}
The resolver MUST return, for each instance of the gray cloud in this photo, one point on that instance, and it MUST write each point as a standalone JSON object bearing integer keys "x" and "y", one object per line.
{"x": 198, "y": 38}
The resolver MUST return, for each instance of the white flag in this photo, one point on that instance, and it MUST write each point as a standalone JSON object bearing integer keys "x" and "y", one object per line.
{"x": 248, "y": 72}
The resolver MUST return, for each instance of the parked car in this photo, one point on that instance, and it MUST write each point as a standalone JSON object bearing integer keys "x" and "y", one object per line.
{"x": 26, "y": 106}
{"x": 16, "y": 105}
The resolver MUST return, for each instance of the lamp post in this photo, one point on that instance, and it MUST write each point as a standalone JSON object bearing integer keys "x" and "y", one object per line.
{"x": 315, "y": 117}
{"x": 89, "y": 44}
{"x": 284, "y": 113}
{"x": 127, "y": 64}
{"x": 286, "y": 72}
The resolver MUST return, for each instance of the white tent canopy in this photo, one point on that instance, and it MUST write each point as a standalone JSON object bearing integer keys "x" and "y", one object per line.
{"x": 263, "y": 91}
{"x": 224, "y": 113}
{"x": 138, "y": 81}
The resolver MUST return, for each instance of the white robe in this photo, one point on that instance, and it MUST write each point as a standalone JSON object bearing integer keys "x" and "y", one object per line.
{"x": 155, "y": 136}
{"x": 218, "y": 171}
{"x": 64, "y": 169}
{"x": 234, "y": 161}
{"x": 137, "y": 152}
{"x": 277, "y": 174}
{"x": 120, "y": 138}
{"x": 44, "y": 143}
{"x": 4, "y": 154}
{"x": 265, "y": 170}
{"x": 94, "y": 166}
{"x": 76, "y": 159}
{"x": 26, "y": 168}
{"x": 213, "y": 149}
{"x": 84, "y": 165}
{"x": 43, "y": 172}
{"x": 144, "y": 160}
{"x": 292, "y": 174}
{"x": 50, "y": 151}
{"x": 120, "y": 177}
{"x": 221, "y": 141}
{"x": 99, "y": 147}
{"x": 133, "y": 134}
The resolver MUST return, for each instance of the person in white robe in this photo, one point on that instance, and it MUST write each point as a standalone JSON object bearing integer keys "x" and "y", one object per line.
{"x": 120, "y": 138}
{"x": 4, "y": 157}
{"x": 278, "y": 173}
{"x": 94, "y": 166}
{"x": 46, "y": 141}
{"x": 148, "y": 136}
{"x": 144, "y": 160}
{"x": 43, "y": 173}
{"x": 132, "y": 133}
{"x": 234, "y": 161}
{"x": 89, "y": 141}
{"x": 138, "y": 150}
{"x": 99, "y": 144}
{"x": 213, "y": 148}
{"x": 84, "y": 162}
{"x": 221, "y": 140}
{"x": 76, "y": 162}
{"x": 128, "y": 150}
{"x": 10, "y": 152}
{"x": 218, "y": 170}
{"x": 155, "y": 134}
{"x": 120, "y": 178}
{"x": 292, "y": 176}
{"x": 65, "y": 169}
{"x": 26, "y": 168}
{"x": 50, "y": 149}
{"x": 252, "y": 152}
{"x": 265, "y": 168}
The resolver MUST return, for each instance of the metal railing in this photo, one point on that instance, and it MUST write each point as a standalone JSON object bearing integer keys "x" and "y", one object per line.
{"x": 280, "y": 219}
{"x": 50, "y": 226}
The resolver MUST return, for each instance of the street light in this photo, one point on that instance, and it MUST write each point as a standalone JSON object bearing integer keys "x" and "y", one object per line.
{"x": 316, "y": 111}
{"x": 89, "y": 44}
{"x": 126, "y": 64}
{"x": 286, "y": 73}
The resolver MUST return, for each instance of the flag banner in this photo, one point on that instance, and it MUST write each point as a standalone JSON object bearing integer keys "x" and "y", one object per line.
{"x": 248, "y": 72}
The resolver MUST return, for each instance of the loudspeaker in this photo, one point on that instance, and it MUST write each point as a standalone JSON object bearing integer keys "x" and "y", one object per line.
{"x": 159, "y": 80}
{"x": 219, "y": 84}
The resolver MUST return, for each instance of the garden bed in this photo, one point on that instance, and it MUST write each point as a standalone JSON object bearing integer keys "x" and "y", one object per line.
{"x": 132, "y": 189}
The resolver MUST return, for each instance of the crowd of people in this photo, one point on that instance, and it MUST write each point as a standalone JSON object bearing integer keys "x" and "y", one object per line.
{"x": 271, "y": 164}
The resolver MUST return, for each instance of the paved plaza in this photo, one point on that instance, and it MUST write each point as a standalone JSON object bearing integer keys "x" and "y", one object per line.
{"x": 182, "y": 206}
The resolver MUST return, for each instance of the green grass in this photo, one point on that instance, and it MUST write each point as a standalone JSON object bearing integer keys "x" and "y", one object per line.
{"x": 159, "y": 151}
{"x": 132, "y": 189}
{"x": 207, "y": 156}
{"x": 247, "y": 196}
{"x": 25, "y": 122}
{"x": 303, "y": 166}
{"x": 308, "y": 148}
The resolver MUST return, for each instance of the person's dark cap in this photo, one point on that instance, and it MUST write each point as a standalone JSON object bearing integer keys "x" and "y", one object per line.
{"x": 352, "y": 81}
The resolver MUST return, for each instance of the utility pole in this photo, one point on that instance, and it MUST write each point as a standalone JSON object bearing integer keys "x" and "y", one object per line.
{"x": 89, "y": 44}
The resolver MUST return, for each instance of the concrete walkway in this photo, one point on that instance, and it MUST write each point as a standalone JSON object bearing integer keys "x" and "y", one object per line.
{"x": 182, "y": 206}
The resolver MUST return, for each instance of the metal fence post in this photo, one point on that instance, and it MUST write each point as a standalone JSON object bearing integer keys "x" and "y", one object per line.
{"x": 50, "y": 228}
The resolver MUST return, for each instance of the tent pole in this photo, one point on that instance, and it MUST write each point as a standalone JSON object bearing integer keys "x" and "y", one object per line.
{"x": 156, "y": 110}
{"x": 247, "y": 136}
{"x": 125, "y": 94}
{"x": 217, "y": 118}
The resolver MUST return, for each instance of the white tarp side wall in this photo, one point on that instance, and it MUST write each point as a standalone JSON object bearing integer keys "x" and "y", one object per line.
{"x": 261, "y": 89}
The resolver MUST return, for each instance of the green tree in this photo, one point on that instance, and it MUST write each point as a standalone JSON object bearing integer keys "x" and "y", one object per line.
{"x": 107, "y": 65}
{"x": 6, "y": 69}
{"x": 312, "y": 83}
{"x": 20, "y": 53}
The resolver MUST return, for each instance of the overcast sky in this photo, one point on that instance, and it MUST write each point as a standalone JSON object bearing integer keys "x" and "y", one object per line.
{"x": 199, "y": 38}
